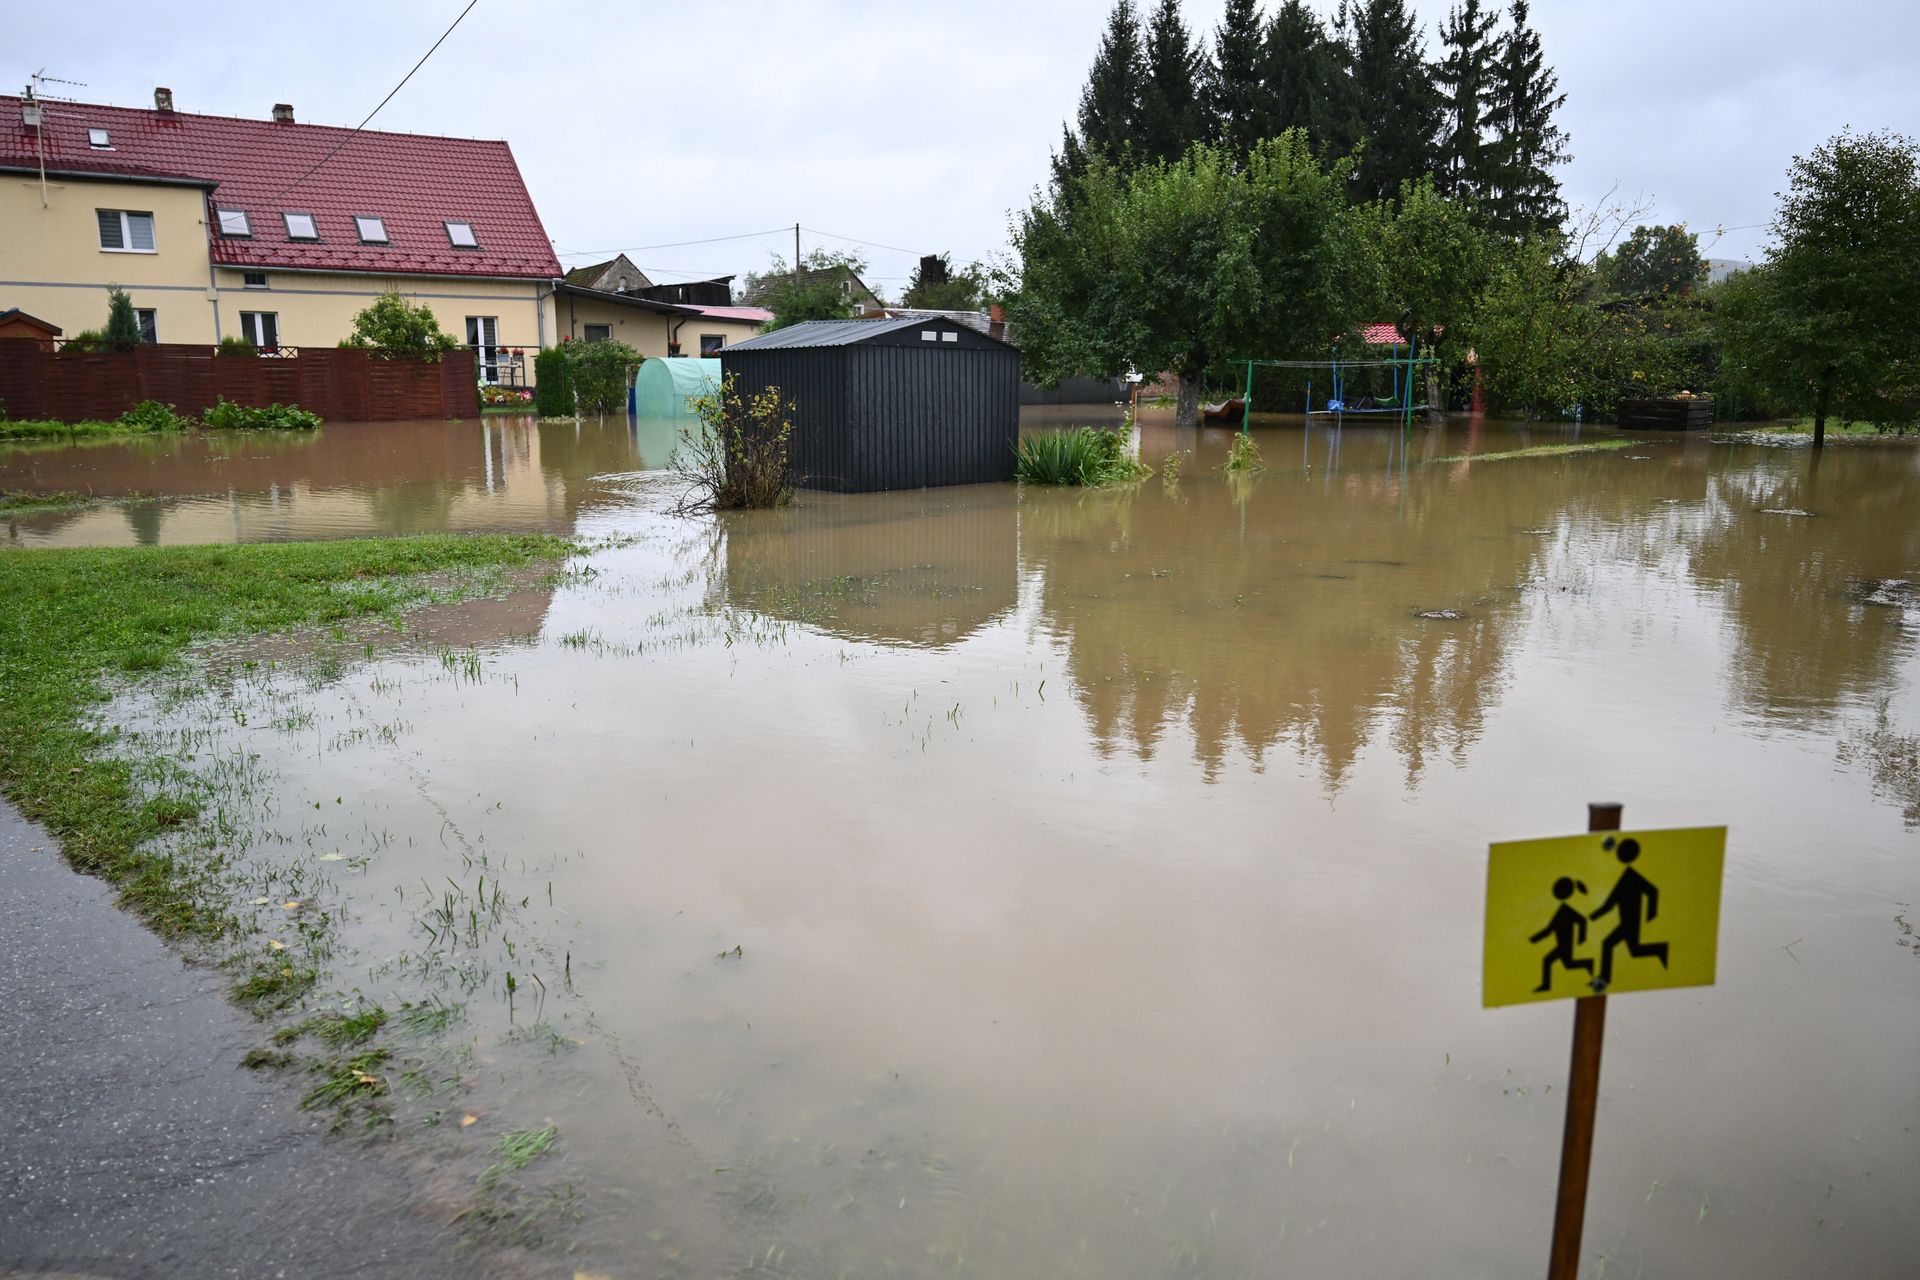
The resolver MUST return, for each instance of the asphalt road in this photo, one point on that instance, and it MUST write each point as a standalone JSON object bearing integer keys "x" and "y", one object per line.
{"x": 133, "y": 1144}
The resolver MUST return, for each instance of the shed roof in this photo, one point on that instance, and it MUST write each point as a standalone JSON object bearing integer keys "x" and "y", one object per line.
{"x": 847, "y": 333}
{"x": 14, "y": 315}
{"x": 416, "y": 183}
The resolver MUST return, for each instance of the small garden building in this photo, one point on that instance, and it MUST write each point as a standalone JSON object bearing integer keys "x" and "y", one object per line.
{"x": 889, "y": 404}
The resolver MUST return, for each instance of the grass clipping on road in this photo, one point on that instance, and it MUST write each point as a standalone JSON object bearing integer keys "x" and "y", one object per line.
{"x": 70, "y": 620}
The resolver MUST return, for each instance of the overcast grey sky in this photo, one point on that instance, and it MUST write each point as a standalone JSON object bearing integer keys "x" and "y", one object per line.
{"x": 919, "y": 126}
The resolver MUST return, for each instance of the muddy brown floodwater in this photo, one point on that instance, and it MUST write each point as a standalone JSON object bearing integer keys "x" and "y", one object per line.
{"x": 1022, "y": 883}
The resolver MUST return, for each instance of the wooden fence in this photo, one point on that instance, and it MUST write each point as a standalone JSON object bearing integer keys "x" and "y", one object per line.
{"x": 338, "y": 383}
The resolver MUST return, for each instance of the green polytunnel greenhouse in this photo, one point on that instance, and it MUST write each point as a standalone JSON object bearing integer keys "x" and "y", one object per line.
{"x": 666, "y": 387}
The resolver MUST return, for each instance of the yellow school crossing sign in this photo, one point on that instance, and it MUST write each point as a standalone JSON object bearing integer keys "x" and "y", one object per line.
{"x": 1602, "y": 913}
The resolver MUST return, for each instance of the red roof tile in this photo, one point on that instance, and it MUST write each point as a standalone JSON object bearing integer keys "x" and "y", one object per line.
{"x": 415, "y": 183}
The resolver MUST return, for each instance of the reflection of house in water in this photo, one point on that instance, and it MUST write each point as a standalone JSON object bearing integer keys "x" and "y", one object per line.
{"x": 923, "y": 567}
{"x": 505, "y": 475}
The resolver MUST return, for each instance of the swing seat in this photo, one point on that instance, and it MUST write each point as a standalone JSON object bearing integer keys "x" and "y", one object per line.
{"x": 1223, "y": 409}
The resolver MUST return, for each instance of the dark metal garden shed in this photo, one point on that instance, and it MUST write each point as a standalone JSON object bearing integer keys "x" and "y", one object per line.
{"x": 889, "y": 404}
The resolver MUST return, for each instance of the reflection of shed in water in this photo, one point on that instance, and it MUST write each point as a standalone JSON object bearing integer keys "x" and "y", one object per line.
{"x": 913, "y": 568}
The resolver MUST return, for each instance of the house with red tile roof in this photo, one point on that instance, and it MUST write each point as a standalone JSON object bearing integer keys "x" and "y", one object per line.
{"x": 279, "y": 232}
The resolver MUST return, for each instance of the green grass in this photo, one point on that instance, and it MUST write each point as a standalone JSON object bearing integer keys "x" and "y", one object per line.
{"x": 72, "y": 620}
{"x": 18, "y": 502}
{"x": 1076, "y": 456}
{"x": 517, "y": 1150}
{"x": 1542, "y": 451}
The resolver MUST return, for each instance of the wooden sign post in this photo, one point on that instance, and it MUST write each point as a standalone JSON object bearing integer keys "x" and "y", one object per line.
{"x": 1656, "y": 894}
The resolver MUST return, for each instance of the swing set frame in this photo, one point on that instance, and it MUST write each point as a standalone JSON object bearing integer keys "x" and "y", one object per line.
{"x": 1401, "y": 405}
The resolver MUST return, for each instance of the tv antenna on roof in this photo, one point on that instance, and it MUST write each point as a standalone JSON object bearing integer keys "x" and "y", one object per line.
{"x": 30, "y": 113}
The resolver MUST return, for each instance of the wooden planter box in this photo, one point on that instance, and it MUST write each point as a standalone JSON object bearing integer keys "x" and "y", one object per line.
{"x": 1672, "y": 413}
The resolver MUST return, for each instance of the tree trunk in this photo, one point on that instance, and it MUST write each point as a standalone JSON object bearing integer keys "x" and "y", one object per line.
{"x": 1820, "y": 412}
{"x": 1187, "y": 412}
{"x": 1436, "y": 410}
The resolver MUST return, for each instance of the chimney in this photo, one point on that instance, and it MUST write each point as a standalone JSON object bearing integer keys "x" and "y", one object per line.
{"x": 29, "y": 112}
{"x": 996, "y": 313}
{"x": 163, "y": 100}
{"x": 283, "y": 112}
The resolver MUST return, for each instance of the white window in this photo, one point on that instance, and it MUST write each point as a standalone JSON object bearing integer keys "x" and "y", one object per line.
{"x": 98, "y": 140}
{"x": 233, "y": 222}
{"x": 929, "y": 335}
{"x": 256, "y": 279}
{"x": 149, "y": 326}
{"x": 599, "y": 333}
{"x": 460, "y": 235}
{"x": 261, "y": 328}
{"x": 949, "y": 337}
{"x": 124, "y": 232}
{"x": 372, "y": 230}
{"x": 483, "y": 335}
{"x": 300, "y": 226}
{"x": 712, "y": 344}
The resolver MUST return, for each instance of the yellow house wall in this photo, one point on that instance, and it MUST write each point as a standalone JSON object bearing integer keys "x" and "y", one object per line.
{"x": 644, "y": 331}
{"x": 733, "y": 330}
{"x": 317, "y": 308}
{"x": 52, "y": 265}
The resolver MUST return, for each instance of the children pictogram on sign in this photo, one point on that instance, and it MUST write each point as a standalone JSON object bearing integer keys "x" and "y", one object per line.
{"x": 1649, "y": 920}
{"x": 1568, "y": 928}
{"x": 1632, "y": 893}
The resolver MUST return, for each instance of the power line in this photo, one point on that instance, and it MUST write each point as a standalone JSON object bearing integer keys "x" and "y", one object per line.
{"x": 677, "y": 244}
{"x": 383, "y": 102}
{"x": 869, "y": 244}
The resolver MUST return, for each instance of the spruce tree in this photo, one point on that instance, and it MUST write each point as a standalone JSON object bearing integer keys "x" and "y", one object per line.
{"x": 1306, "y": 83}
{"x": 1236, "y": 88}
{"x": 1170, "y": 114}
{"x": 1527, "y": 145}
{"x": 1464, "y": 76}
{"x": 1110, "y": 104}
{"x": 1396, "y": 106}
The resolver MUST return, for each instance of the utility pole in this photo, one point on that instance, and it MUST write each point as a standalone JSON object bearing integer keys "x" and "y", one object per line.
{"x": 796, "y": 257}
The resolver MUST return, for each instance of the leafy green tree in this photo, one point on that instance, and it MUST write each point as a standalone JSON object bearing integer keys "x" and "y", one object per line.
{"x": 1825, "y": 323}
{"x": 1176, "y": 267}
{"x": 937, "y": 287}
{"x": 1170, "y": 116}
{"x": 1110, "y": 103}
{"x": 1532, "y": 326}
{"x": 1306, "y": 81}
{"x": 1654, "y": 261}
{"x": 396, "y": 328}
{"x": 817, "y": 293}
{"x": 1433, "y": 261}
{"x": 1464, "y": 76}
{"x": 1397, "y": 108}
{"x": 123, "y": 326}
{"x": 1236, "y": 88}
{"x": 1524, "y": 197}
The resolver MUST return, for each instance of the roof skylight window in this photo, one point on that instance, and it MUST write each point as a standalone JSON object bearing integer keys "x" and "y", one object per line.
{"x": 300, "y": 226}
{"x": 372, "y": 230}
{"x": 233, "y": 222}
{"x": 97, "y": 139}
{"x": 460, "y": 235}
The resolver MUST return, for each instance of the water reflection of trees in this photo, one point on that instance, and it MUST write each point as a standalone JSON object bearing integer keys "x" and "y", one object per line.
{"x": 921, "y": 568}
{"x": 1800, "y": 589}
{"x": 1290, "y": 610}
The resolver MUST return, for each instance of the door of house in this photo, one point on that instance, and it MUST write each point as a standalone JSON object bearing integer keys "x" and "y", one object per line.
{"x": 483, "y": 335}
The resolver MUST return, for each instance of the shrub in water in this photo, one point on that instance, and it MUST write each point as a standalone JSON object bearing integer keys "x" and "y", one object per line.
{"x": 1244, "y": 455}
{"x": 601, "y": 372}
{"x": 228, "y": 416}
{"x": 1079, "y": 455}
{"x": 151, "y": 415}
{"x": 738, "y": 457}
{"x": 553, "y": 383}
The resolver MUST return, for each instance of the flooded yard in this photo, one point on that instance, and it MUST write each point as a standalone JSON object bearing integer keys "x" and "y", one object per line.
{"x": 1020, "y": 883}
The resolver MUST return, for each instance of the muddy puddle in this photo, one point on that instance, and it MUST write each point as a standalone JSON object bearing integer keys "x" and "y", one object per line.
{"x": 1049, "y": 884}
